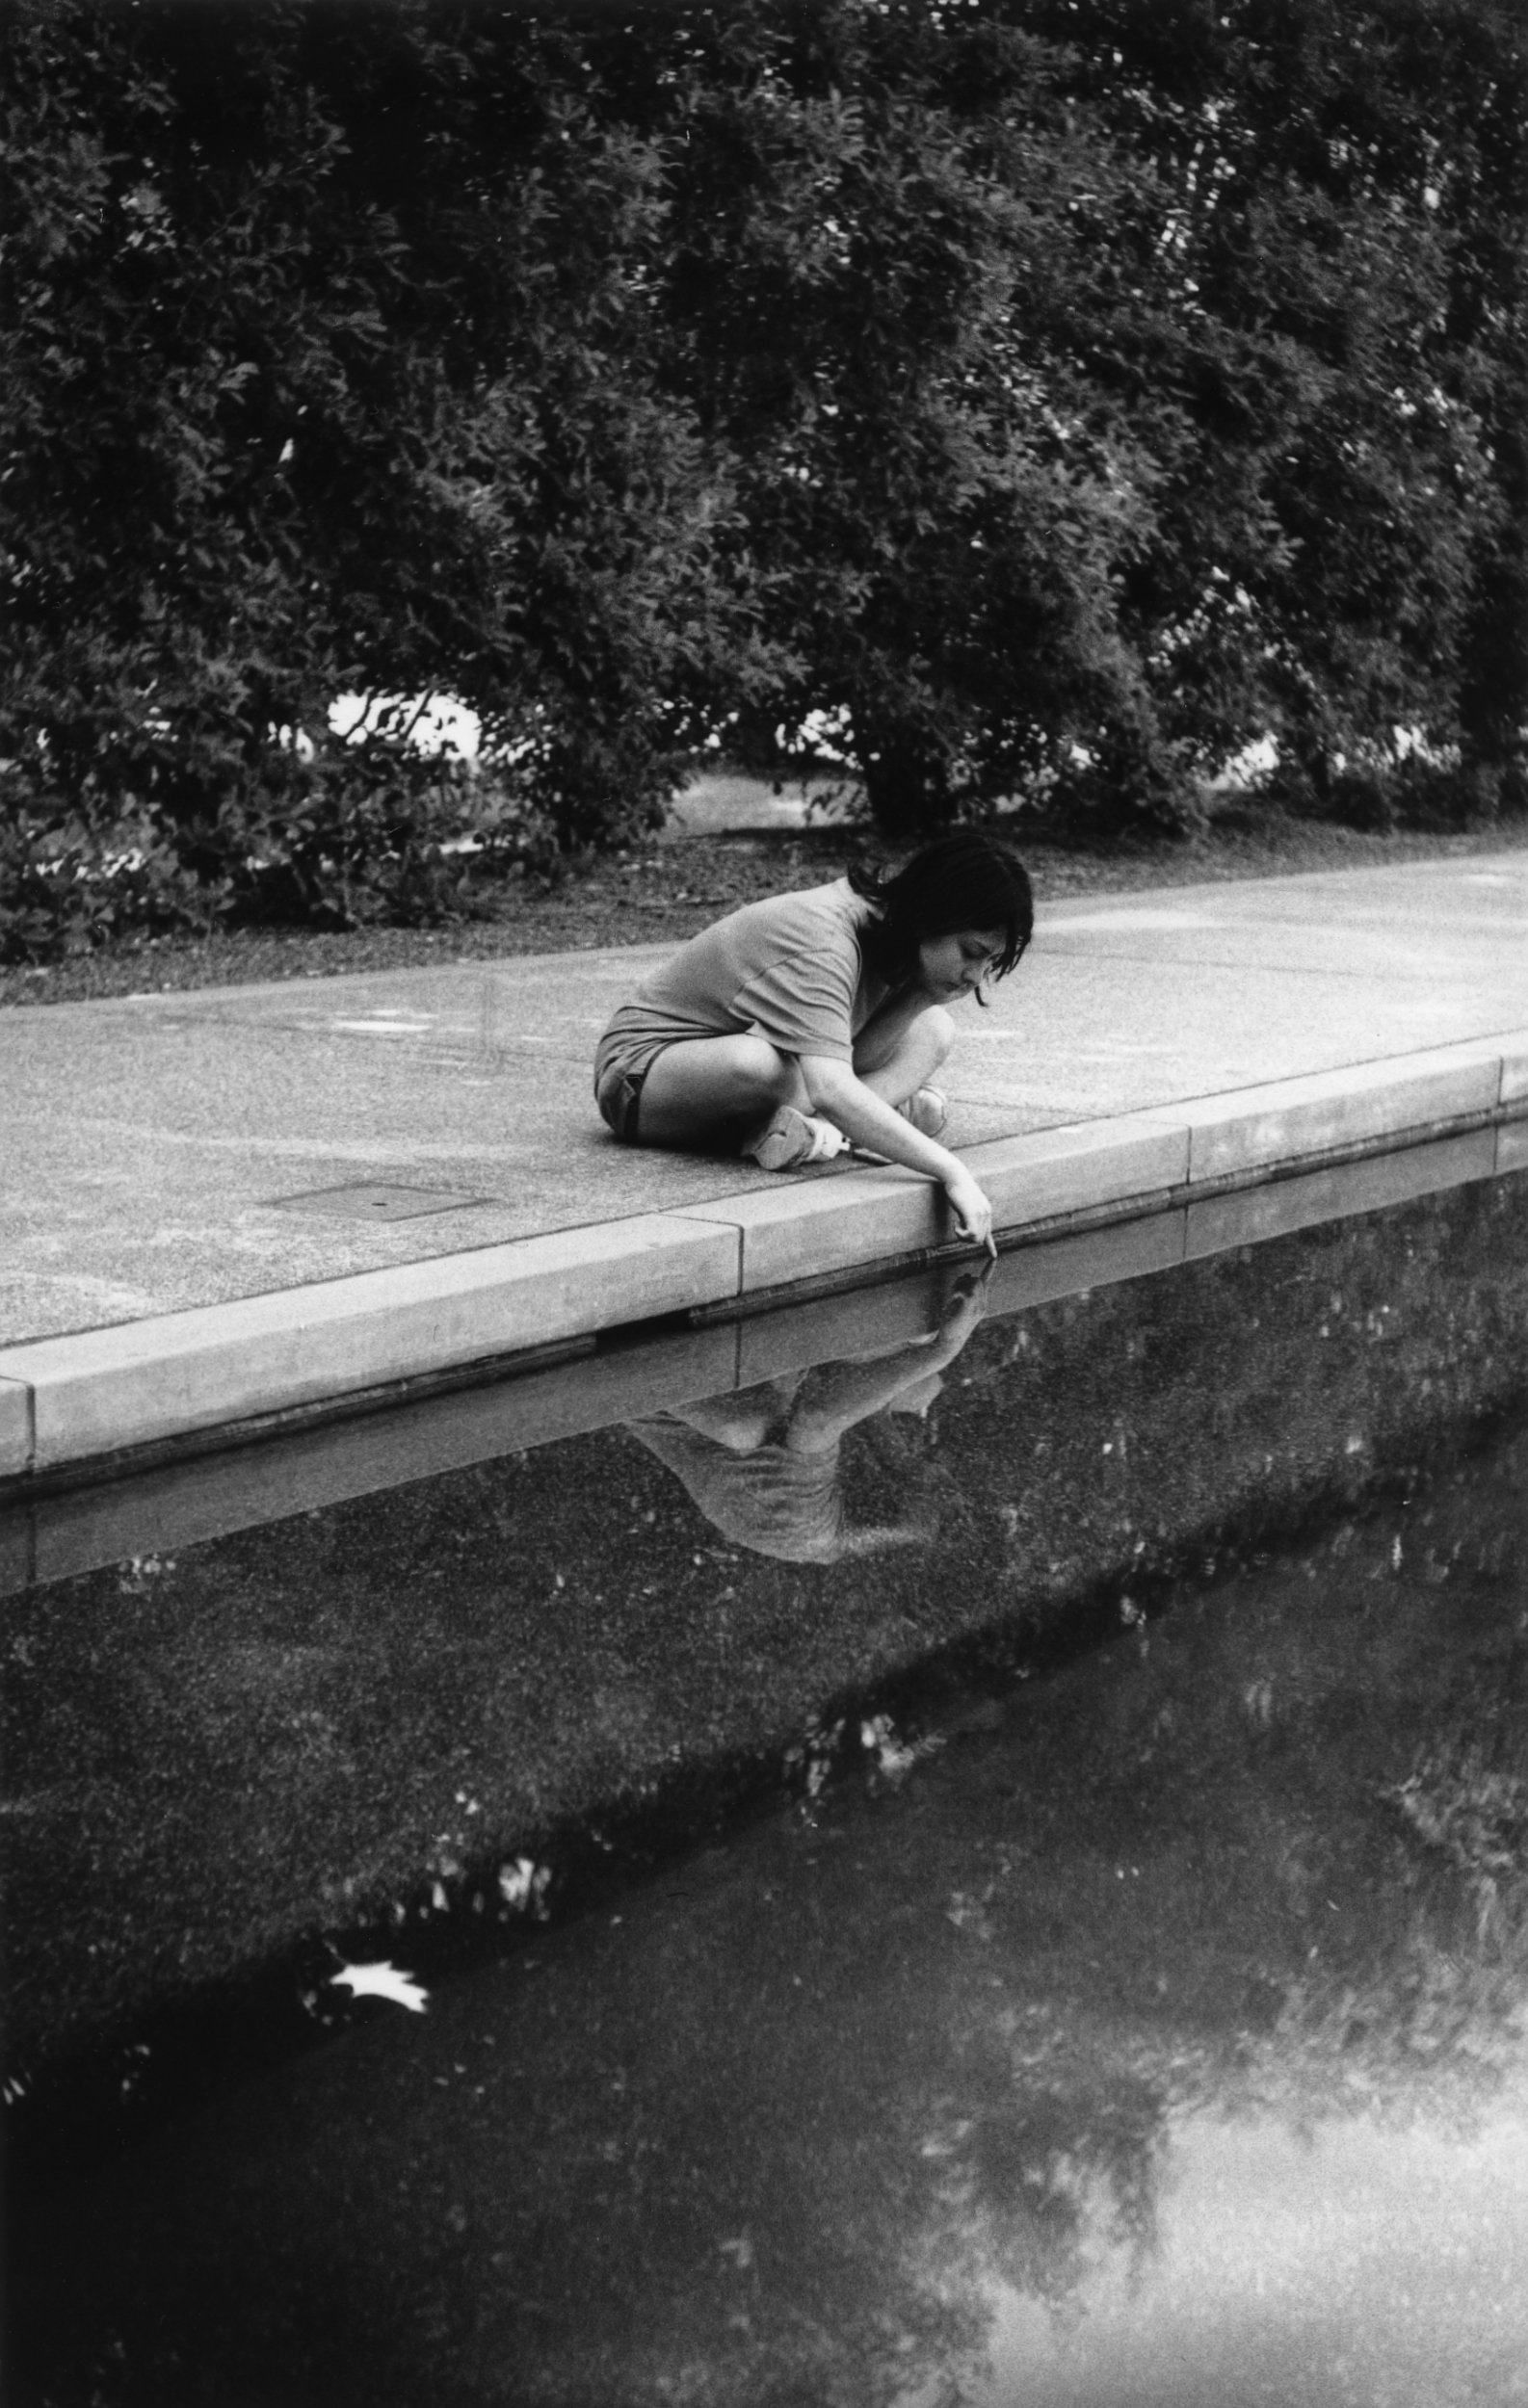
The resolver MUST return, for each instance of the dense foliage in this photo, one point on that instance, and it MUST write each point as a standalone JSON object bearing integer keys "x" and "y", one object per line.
{"x": 1033, "y": 399}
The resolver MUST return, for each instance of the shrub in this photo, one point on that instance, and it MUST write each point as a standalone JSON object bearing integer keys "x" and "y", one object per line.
{"x": 332, "y": 362}
{"x": 64, "y": 887}
{"x": 1056, "y": 394}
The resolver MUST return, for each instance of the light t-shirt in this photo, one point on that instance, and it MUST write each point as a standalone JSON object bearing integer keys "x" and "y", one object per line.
{"x": 771, "y": 1499}
{"x": 792, "y": 967}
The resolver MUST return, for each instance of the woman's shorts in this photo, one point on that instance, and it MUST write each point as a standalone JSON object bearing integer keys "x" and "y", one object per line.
{"x": 622, "y": 1063}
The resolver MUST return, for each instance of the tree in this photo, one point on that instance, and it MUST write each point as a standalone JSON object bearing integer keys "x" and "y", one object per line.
{"x": 330, "y": 365}
{"x": 1337, "y": 510}
{"x": 937, "y": 535}
{"x": 1054, "y": 395}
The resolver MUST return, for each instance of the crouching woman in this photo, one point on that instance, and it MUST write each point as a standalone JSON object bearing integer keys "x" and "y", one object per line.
{"x": 813, "y": 1021}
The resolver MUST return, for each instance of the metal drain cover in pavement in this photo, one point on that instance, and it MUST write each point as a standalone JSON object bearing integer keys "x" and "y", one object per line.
{"x": 377, "y": 1201}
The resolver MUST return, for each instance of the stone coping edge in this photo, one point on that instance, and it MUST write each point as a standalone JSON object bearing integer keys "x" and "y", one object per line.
{"x": 198, "y": 1488}
{"x": 68, "y": 1400}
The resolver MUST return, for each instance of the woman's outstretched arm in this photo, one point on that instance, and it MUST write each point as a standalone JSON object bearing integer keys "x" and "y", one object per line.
{"x": 835, "y": 1395}
{"x": 844, "y": 1099}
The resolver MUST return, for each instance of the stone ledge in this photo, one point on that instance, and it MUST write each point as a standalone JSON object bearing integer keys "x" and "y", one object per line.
{"x": 15, "y": 1427}
{"x": 826, "y": 1221}
{"x": 837, "y": 1222}
{"x": 185, "y": 1504}
{"x": 1248, "y": 1216}
{"x": 1513, "y": 1067}
{"x": 101, "y": 1391}
{"x": 1256, "y": 1128}
{"x": 856, "y": 1321}
{"x": 1074, "y": 1168}
{"x": 68, "y": 1400}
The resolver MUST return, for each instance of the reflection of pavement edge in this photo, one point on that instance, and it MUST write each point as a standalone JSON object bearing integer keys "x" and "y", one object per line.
{"x": 68, "y": 1400}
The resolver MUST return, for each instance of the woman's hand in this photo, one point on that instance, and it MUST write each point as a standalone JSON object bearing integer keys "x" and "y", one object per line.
{"x": 868, "y": 1121}
{"x": 973, "y": 1214}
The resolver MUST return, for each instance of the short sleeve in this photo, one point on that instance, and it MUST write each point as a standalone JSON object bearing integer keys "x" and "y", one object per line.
{"x": 804, "y": 1001}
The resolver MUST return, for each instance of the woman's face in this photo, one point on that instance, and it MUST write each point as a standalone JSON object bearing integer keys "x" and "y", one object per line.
{"x": 952, "y": 966}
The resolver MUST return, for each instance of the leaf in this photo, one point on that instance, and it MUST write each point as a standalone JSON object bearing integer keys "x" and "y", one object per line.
{"x": 381, "y": 1981}
{"x": 523, "y": 1884}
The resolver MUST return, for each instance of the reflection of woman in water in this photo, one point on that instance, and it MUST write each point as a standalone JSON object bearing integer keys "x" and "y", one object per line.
{"x": 762, "y": 1462}
{"x": 811, "y": 1021}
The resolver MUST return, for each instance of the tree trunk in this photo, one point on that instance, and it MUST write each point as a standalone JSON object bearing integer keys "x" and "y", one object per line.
{"x": 907, "y": 783}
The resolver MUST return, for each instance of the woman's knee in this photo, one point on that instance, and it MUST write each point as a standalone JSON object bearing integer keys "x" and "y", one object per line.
{"x": 938, "y": 1030}
{"x": 707, "y": 1087}
{"x": 764, "y": 1075}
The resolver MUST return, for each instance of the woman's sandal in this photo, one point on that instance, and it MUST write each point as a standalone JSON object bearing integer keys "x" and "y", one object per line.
{"x": 928, "y": 1110}
{"x": 790, "y": 1139}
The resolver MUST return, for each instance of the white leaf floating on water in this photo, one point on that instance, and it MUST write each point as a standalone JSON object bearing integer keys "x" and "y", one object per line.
{"x": 382, "y": 1981}
{"x": 893, "y": 1758}
{"x": 523, "y": 1884}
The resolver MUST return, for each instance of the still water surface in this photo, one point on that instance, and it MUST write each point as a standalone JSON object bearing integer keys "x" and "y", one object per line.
{"x": 1147, "y": 2026}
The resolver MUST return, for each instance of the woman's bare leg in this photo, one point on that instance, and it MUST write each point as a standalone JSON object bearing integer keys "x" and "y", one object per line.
{"x": 899, "y": 1049}
{"x": 715, "y": 1091}
{"x": 742, "y": 1420}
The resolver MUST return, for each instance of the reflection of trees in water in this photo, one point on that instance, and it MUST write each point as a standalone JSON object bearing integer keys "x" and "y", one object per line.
{"x": 1315, "y": 1779}
{"x": 1441, "y": 2012}
{"x": 1467, "y": 1801}
{"x": 1409, "y": 1673}
{"x": 780, "y": 2141}
{"x": 1320, "y": 1777}
{"x": 1059, "y": 2182}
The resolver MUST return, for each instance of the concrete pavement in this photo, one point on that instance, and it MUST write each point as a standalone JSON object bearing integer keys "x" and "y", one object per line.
{"x": 240, "y": 1201}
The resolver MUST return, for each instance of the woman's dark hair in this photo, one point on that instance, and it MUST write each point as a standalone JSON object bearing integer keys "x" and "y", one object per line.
{"x": 962, "y": 881}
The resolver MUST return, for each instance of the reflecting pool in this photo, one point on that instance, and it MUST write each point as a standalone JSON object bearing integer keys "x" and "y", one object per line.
{"x": 1045, "y": 1921}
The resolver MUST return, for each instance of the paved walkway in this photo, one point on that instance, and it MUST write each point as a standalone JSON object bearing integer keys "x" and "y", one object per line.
{"x": 194, "y": 1230}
